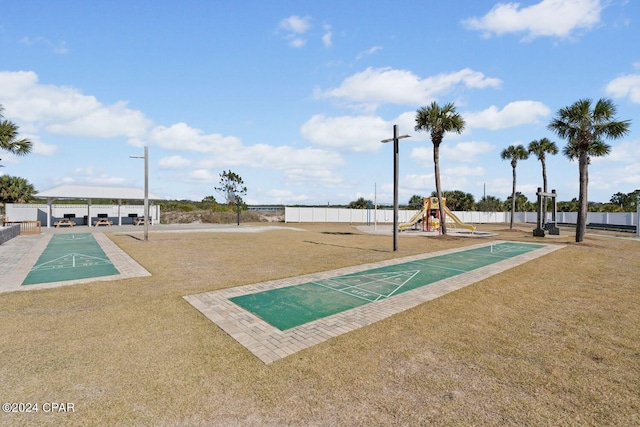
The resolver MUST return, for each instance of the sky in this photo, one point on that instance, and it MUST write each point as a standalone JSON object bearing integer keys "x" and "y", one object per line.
{"x": 296, "y": 96}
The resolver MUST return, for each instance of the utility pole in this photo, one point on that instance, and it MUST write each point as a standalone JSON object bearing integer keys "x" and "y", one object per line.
{"x": 396, "y": 166}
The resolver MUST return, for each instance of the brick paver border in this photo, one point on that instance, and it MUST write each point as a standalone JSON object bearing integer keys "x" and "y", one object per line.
{"x": 33, "y": 247}
{"x": 269, "y": 344}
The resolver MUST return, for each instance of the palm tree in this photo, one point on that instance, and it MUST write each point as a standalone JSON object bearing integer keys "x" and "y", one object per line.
{"x": 514, "y": 153}
{"x": 489, "y": 204}
{"x": 584, "y": 126}
{"x": 540, "y": 148}
{"x": 438, "y": 120}
{"x": 14, "y": 189}
{"x": 9, "y": 138}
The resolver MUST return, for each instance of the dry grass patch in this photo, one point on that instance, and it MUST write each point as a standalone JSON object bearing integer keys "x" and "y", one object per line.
{"x": 553, "y": 341}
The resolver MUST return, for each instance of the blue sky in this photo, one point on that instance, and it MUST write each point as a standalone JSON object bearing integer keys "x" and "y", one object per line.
{"x": 295, "y": 96}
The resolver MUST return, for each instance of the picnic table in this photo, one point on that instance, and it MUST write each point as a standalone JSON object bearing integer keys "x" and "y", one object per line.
{"x": 64, "y": 222}
{"x": 139, "y": 220}
{"x": 102, "y": 220}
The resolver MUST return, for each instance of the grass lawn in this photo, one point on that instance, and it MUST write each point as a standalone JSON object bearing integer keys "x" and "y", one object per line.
{"x": 555, "y": 341}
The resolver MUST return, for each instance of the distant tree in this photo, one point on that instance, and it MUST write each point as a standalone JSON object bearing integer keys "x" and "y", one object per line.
{"x": 9, "y": 138}
{"x": 627, "y": 202}
{"x": 14, "y": 189}
{"x": 437, "y": 121}
{"x": 609, "y": 207}
{"x": 458, "y": 200}
{"x": 514, "y": 153}
{"x": 209, "y": 202}
{"x": 415, "y": 202}
{"x": 489, "y": 204}
{"x": 584, "y": 127}
{"x": 361, "y": 203}
{"x": 570, "y": 206}
{"x": 232, "y": 188}
{"x": 522, "y": 203}
{"x": 540, "y": 148}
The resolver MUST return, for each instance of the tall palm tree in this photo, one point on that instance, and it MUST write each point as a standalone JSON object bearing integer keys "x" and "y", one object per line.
{"x": 541, "y": 148}
{"x": 584, "y": 126}
{"x": 514, "y": 153}
{"x": 438, "y": 120}
{"x": 9, "y": 138}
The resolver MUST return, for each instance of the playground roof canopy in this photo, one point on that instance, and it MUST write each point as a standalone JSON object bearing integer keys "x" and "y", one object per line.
{"x": 90, "y": 192}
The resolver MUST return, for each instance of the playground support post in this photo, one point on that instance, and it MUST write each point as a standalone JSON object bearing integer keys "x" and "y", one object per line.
{"x": 396, "y": 165}
{"x": 541, "y": 225}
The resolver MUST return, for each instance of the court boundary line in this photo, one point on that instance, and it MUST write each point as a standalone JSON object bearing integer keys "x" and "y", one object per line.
{"x": 270, "y": 344}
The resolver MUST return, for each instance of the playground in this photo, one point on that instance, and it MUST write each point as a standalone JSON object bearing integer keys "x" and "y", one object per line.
{"x": 429, "y": 217}
{"x": 548, "y": 341}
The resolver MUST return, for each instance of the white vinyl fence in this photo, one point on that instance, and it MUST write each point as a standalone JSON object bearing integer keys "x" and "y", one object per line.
{"x": 384, "y": 216}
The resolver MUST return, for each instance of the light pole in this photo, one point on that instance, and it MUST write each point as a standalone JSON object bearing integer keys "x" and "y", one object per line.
{"x": 637, "y": 213}
{"x": 396, "y": 166}
{"x": 146, "y": 190}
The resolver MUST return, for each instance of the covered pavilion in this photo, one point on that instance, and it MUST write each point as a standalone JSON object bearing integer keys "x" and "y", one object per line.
{"x": 88, "y": 193}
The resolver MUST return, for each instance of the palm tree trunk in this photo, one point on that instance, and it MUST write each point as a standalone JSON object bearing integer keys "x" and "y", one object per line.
{"x": 583, "y": 199}
{"x": 544, "y": 188}
{"x": 513, "y": 199}
{"x": 436, "y": 161}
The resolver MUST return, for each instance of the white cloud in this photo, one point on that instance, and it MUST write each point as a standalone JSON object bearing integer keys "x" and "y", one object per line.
{"x": 623, "y": 86}
{"x": 297, "y": 42}
{"x": 228, "y": 151}
{"x": 182, "y": 137}
{"x": 204, "y": 176}
{"x": 326, "y": 38}
{"x": 65, "y": 111}
{"x": 40, "y": 147}
{"x": 551, "y": 18}
{"x": 466, "y": 152}
{"x": 388, "y": 85}
{"x": 294, "y": 26}
{"x": 174, "y": 162}
{"x": 348, "y": 133}
{"x": 513, "y": 114}
{"x": 60, "y": 47}
{"x": 93, "y": 176}
{"x": 368, "y": 52}
{"x": 463, "y": 170}
{"x": 422, "y": 154}
{"x": 286, "y": 196}
{"x": 624, "y": 152}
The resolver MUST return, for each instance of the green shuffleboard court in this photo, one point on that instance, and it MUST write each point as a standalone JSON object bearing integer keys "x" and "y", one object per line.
{"x": 70, "y": 257}
{"x": 292, "y": 306}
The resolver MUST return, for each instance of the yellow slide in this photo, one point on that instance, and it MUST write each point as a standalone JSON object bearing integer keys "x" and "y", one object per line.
{"x": 457, "y": 221}
{"x": 414, "y": 219}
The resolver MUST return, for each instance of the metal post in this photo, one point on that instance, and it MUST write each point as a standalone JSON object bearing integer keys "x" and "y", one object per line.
{"x": 146, "y": 190}
{"x": 146, "y": 193}
{"x": 396, "y": 164}
{"x": 396, "y": 171}
{"x": 637, "y": 214}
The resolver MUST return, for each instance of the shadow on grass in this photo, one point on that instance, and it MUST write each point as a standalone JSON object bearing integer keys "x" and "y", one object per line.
{"x": 346, "y": 247}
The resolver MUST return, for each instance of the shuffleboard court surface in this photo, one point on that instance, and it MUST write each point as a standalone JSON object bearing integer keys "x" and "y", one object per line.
{"x": 70, "y": 257}
{"x": 292, "y": 306}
